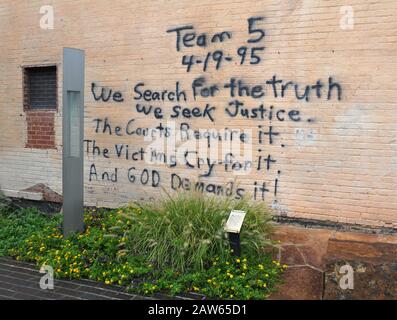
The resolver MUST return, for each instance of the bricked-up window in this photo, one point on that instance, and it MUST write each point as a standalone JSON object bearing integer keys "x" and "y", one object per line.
{"x": 40, "y": 104}
{"x": 40, "y": 87}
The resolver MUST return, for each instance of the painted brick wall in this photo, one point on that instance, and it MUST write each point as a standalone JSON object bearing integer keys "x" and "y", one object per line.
{"x": 336, "y": 156}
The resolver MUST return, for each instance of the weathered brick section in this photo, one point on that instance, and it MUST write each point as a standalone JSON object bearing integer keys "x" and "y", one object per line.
{"x": 48, "y": 194}
{"x": 40, "y": 129}
{"x": 315, "y": 258}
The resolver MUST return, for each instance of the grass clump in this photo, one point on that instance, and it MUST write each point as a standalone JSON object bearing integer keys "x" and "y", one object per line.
{"x": 186, "y": 232}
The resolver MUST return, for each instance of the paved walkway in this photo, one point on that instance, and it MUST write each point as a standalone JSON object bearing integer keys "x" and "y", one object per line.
{"x": 20, "y": 281}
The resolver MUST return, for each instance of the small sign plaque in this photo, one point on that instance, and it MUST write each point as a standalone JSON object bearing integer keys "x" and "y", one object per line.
{"x": 235, "y": 221}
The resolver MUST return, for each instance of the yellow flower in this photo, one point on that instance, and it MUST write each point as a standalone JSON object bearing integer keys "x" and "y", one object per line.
{"x": 238, "y": 260}
{"x": 285, "y": 266}
{"x": 261, "y": 267}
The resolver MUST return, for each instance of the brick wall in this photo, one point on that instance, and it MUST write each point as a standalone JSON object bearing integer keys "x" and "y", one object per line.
{"x": 40, "y": 129}
{"x": 40, "y": 99}
{"x": 336, "y": 156}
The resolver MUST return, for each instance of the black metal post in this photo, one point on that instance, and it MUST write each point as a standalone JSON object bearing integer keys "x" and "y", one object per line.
{"x": 234, "y": 240}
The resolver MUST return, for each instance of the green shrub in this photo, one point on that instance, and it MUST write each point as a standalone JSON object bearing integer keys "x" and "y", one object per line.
{"x": 20, "y": 224}
{"x": 5, "y": 203}
{"x": 186, "y": 232}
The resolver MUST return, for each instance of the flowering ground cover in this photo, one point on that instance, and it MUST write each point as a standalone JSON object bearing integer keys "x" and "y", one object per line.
{"x": 177, "y": 245}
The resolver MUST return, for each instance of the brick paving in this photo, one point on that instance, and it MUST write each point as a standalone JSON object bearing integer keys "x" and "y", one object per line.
{"x": 20, "y": 281}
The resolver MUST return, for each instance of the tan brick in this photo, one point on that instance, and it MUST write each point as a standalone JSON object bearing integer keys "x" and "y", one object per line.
{"x": 340, "y": 167}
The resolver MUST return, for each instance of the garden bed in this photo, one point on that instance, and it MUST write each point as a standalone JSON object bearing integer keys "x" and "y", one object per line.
{"x": 173, "y": 248}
